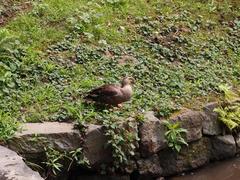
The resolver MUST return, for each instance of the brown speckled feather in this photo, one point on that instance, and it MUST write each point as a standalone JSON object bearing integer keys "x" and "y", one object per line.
{"x": 111, "y": 94}
{"x": 104, "y": 94}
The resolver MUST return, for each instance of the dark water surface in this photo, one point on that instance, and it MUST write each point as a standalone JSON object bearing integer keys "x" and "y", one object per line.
{"x": 226, "y": 170}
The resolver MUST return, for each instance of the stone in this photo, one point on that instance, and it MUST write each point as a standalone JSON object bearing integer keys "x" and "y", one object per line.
{"x": 99, "y": 177}
{"x": 192, "y": 122}
{"x": 131, "y": 166}
{"x": 95, "y": 146}
{"x": 150, "y": 166}
{"x": 145, "y": 177}
{"x": 35, "y": 137}
{"x": 223, "y": 147}
{"x": 152, "y": 135}
{"x": 160, "y": 178}
{"x": 12, "y": 167}
{"x": 195, "y": 155}
{"x": 211, "y": 124}
{"x": 237, "y": 140}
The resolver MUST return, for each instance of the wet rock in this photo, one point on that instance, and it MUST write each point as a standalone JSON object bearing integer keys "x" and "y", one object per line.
{"x": 145, "y": 177}
{"x": 237, "y": 140}
{"x": 160, "y": 178}
{"x": 35, "y": 137}
{"x": 192, "y": 122}
{"x": 152, "y": 138}
{"x": 223, "y": 147}
{"x": 130, "y": 167}
{"x": 211, "y": 124}
{"x": 99, "y": 177}
{"x": 195, "y": 155}
{"x": 95, "y": 146}
{"x": 150, "y": 167}
{"x": 12, "y": 167}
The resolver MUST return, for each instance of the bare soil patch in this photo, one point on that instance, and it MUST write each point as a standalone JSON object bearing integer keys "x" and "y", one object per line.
{"x": 10, "y": 8}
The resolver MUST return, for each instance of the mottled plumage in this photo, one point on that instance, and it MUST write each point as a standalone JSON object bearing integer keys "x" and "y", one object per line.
{"x": 112, "y": 94}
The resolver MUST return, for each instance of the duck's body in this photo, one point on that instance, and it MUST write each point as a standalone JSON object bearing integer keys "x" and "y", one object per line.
{"x": 112, "y": 94}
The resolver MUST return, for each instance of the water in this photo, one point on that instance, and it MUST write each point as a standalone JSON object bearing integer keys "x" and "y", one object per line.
{"x": 226, "y": 170}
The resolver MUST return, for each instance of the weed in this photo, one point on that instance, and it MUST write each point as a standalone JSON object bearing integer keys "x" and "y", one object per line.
{"x": 9, "y": 63}
{"x": 174, "y": 136}
{"x": 229, "y": 95}
{"x": 78, "y": 157}
{"x": 230, "y": 113}
{"x": 65, "y": 48}
{"x": 53, "y": 161}
{"x": 8, "y": 125}
{"x": 122, "y": 139}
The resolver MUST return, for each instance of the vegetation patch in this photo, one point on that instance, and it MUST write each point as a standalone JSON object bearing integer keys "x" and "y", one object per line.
{"x": 8, "y": 126}
{"x": 230, "y": 112}
{"x": 9, "y": 9}
{"x": 174, "y": 136}
{"x": 55, "y": 159}
{"x": 122, "y": 138}
{"x": 62, "y": 49}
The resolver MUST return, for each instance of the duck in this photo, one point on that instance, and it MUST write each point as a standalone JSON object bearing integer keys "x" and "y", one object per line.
{"x": 112, "y": 94}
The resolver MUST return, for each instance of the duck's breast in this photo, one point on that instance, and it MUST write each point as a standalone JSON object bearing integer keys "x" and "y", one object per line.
{"x": 126, "y": 93}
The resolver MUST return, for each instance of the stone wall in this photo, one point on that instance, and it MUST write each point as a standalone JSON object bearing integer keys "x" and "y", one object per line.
{"x": 205, "y": 135}
{"x": 12, "y": 167}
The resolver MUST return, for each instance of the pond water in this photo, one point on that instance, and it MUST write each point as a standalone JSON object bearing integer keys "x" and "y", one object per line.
{"x": 226, "y": 170}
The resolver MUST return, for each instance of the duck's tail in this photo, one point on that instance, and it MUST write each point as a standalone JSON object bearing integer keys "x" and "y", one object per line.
{"x": 90, "y": 98}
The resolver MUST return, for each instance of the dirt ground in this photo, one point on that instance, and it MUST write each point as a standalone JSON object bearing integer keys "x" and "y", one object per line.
{"x": 10, "y": 8}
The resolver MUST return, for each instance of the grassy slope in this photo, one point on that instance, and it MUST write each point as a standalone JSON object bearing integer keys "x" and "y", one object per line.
{"x": 179, "y": 51}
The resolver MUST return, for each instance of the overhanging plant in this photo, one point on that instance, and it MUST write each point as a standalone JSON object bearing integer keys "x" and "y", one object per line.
{"x": 229, "y": 114}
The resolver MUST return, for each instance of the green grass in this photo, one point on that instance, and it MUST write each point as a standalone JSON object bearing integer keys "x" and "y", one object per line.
{"x": 180, "y": 52}
{"x": 8, "y": 126}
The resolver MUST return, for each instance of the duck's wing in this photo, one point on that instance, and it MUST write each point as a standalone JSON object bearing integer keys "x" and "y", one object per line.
{"x": 103, "y": 91}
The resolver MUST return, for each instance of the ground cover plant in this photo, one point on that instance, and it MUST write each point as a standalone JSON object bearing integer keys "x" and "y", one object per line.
{"x": 174, "y": 136}
{"x": 229, "y": 112}
{"x": 178, "y": 51}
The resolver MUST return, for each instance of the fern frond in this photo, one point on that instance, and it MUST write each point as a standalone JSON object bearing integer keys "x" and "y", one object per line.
{"x": 228, "y": 93}
{"x": 230, "y": 116}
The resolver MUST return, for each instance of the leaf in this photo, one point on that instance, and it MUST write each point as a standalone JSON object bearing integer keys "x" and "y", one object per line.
{"x": 176, "y": 125}
{"x": 173, "y": 136}
{"x": 229, "y": 116}
{"x": 181, "y": 130}
{"x": 182, "y": 141}
{"x": 132, "y": 153}
{"x": 177, "y": 147}
{"x": 11, "y": 84}
{"x": 229, "y": 94}
{"x": 167, "y": 133}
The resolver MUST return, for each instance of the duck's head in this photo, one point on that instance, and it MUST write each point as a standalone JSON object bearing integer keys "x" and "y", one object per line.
{"x": 128, "y": 81}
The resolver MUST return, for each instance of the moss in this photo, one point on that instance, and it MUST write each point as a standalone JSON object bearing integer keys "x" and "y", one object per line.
{"x": 198, "y": 150}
